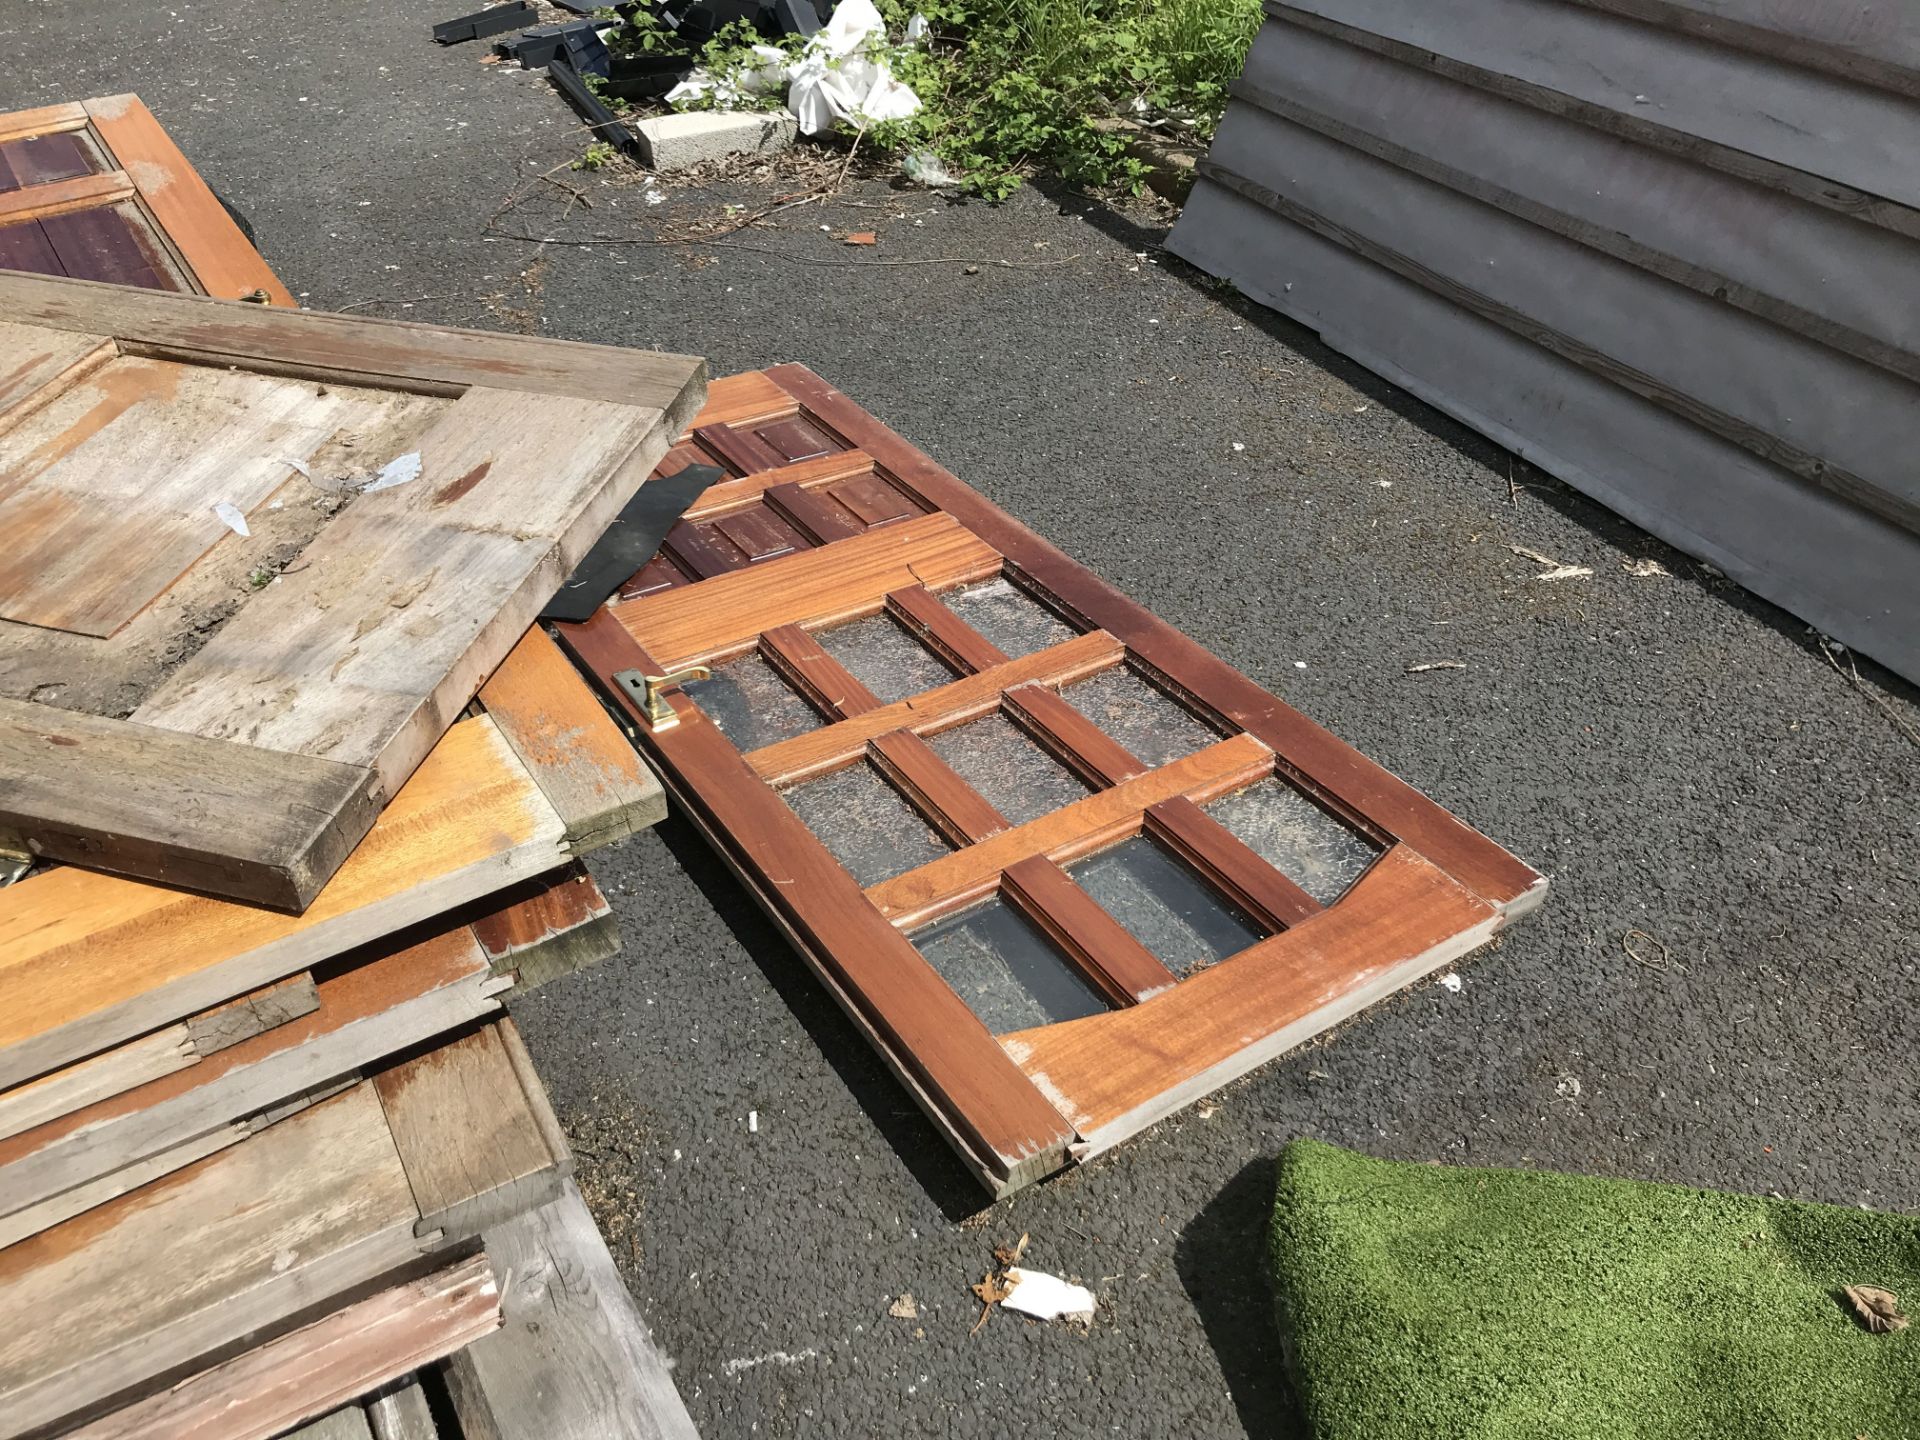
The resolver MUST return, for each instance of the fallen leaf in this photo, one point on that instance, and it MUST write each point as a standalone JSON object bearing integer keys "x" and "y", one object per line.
{"x": 1011, "y": 1256}
{"x": 1878, "y": 1310}
{"x": 863, "y": 237}
{"x": 905, "y": 1308}
{"x": 990, "y": 1292}
{"x": 1645, "y": 569}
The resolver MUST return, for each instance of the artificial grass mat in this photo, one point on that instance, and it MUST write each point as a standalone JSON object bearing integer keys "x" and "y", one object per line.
{"x": 1430, "y": 1302}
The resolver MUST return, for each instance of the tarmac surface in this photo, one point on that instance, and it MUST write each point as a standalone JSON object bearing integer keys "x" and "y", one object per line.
{"x": 1681, "y": 758}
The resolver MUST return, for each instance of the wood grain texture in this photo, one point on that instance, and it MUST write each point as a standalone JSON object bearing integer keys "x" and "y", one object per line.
{"x": 87, "y": 1082}
{"x": 814, "y": 587}
{"x": 401, "y": 1412}
{"x": 1117, "y": 1073}
{"x": 479, "y": 1143}
{"x": 940, "y": 630}
{"x": 41, "y": 363}
{"x": 967, "y": 698}
{"x": 349, "y": 1422}
{"x": 183, "y": 207}
{"x": 177, "y": 809}
{"x": 380, "y": 1005}
{"x": 255, "y": 1013}
{"x": 1103, "y": 949}
{"x": 354, "y": 350}
{"x": 815, "y": 673}
{"x": 738, "y": 399}
{"x": 81, "y": 192}
{"x": 1380, "y": 802}
{"x": 956, "y": 809}
{"x": 42, "y": 120}
{"x": 89, "y": 960}
{"x": 726, "y": 496}
{"x": 574, "y": 1360}
{"x": 589, "y": 771}
{"x": 108, "y": 490}
{"x": 253, "y": 1235}
{"x": 309, "y": 1371}
{"x": 997, "y": 1122}
{"x": 1087, "y": 749}
{"x": 1217, "y": 853}
{"x": 56, "y": 1209}
{"x": 414, "y": 594}
{"x": 548, "y": 927}
{"x": 1071, "y": 831}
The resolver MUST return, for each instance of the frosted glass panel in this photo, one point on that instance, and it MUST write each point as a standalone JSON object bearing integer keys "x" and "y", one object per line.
{"x": 1007, "y": 766}
{"x": 1320, "y": 854}
{"x": 866, "y": 823}
{"x": 1005, "y": 969}
{"x": 1008, "y": 616}
{"x": 1154, "y": 727}
{"x": 884, "y": 658}
{"x": 751, "y": 704}
{"x": 1165, "y": 904}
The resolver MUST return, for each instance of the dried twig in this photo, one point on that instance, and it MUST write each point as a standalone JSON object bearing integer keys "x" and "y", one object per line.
{"x": 1647, "y": 950}
{"x": 1852, "y": 676}
{"x": 1426, "y": 665}
{"x": 390, "y": 300}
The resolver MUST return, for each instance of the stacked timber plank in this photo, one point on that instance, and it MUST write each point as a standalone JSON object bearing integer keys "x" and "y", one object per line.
{"x": 1669, "y": 250}
{"x": 300, "y": 801}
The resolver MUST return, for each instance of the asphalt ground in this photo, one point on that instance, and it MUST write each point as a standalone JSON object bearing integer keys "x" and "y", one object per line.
{"x": 1683, "y": 759}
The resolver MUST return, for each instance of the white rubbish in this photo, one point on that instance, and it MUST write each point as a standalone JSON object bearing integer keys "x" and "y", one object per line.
{"x": 763, "y": 77}
{"x": 396, "y": 472}
{"x": 923, "y": 167}
{"x": 301, "y": 466}
{"x": 1046, "y": 1297}
{"x": 1452, "y": 983}
{"x": 843, "y": 74}
{"x": 231, "y": 517}
{"x": 919, "y": 30}
{"x": 753, "y": 1122}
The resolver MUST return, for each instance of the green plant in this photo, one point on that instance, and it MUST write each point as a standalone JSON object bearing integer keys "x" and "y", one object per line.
{"x": 1009, "y": 87}
{"x": 599, "y": 155}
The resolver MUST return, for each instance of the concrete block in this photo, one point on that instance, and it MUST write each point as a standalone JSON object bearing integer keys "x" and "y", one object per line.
{"x": 679, "y": 142}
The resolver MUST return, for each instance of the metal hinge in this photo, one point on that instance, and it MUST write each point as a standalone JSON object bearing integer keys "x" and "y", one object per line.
{"x": 651, "y": 691}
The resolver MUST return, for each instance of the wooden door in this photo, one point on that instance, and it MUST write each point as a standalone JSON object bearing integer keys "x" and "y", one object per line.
{"x": 1067, "y": 869}
{"x": 98, "y": 191}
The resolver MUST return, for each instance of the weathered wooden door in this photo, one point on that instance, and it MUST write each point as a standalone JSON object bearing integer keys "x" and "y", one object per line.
{"x": 1066, "y": 868}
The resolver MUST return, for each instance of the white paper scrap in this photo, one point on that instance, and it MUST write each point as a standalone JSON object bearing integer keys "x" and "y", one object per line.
{"x": 231, "y": 517}
{"x": 1047, "y": 1297}
{"x": 397, "y": 472}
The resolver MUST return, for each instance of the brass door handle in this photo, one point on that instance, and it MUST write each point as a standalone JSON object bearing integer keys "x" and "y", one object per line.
{"x": 651, "y": 691}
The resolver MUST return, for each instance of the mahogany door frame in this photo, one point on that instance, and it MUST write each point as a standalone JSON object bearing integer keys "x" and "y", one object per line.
{"x": 146, "y": 167}
{"x": 1019, "y": 1105}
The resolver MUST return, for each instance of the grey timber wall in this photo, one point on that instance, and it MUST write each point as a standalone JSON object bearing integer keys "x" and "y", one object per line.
{"x": 1667, "y": 250}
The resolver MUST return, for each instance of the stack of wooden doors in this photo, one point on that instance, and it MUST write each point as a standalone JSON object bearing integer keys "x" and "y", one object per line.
{"x": 300, "y": 799}
{"x": 1067, "y": 870}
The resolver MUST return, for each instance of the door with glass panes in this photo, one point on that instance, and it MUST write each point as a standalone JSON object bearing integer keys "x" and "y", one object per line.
{"x": 1068, "y": 870}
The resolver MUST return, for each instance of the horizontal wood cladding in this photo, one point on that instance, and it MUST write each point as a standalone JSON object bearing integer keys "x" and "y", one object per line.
{"x": 1698, "y": 218}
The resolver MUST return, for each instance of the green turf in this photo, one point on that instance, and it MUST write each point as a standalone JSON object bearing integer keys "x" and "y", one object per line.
{"x": 1433, "y": 1303}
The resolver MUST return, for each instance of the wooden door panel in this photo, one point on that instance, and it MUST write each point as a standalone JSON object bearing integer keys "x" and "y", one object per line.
{"x": 1007, "y": 814}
